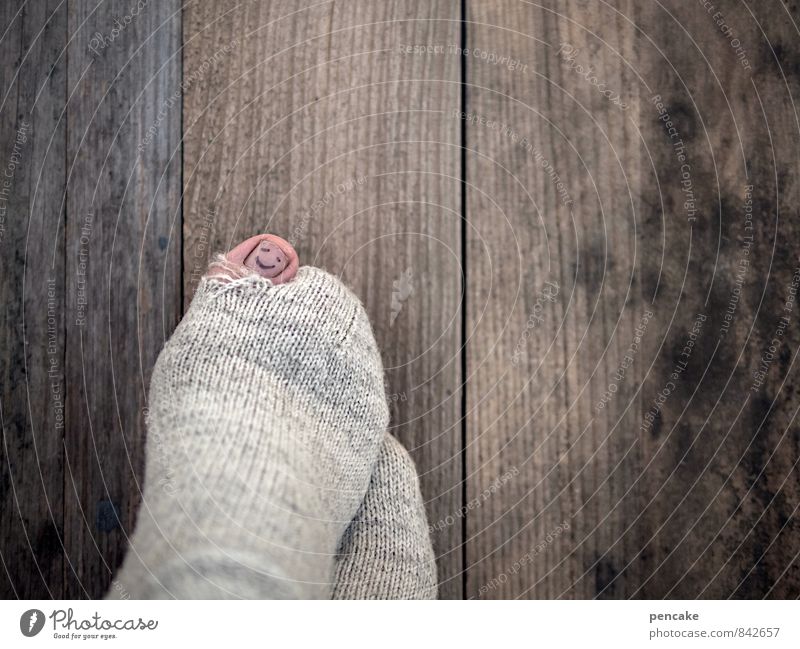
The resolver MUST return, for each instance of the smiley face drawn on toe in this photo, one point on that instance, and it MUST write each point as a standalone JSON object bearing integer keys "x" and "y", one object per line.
{"x": 273, "y": 258}
{"x": 270, "y": 256}
{"x": 268, "y": 259}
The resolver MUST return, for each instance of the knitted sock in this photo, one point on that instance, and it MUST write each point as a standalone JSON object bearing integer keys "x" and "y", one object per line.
{"x": 267, "y": 411}
{"x": 386, "y": 552}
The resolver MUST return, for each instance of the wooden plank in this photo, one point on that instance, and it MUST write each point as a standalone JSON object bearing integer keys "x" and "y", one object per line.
{"x": 313, "y": 122}
{"x": 722, "y": 455}
{"x": 552, "y": 300}
{"x": 122, "y": 263}
{"x": 32, "y": 148}
{"x": 307, "y": 120}
{"x": 698, "y": 497}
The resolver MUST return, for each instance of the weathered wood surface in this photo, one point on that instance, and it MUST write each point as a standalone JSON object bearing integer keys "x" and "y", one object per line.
{"x": 552, "y": 302}
{"x": 123, "y": 265}
{"x": 721, "y": 489}
{"x": 91, "y": 280}
{"x": 32, "y": 174}
{"x": 309, "y": 121}
{"x": 698, "y": 497}
{"x": 313, "y": 120}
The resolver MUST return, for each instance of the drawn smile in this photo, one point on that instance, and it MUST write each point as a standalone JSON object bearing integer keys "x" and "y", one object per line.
{"x": 263, "y": 266}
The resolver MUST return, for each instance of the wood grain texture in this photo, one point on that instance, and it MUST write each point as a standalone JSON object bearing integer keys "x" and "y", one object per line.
{"x": 628, "y": 291}
{"x": 674, "y": 467}
{"x": 721, "y": 490}
{"x": 553, "y": 301}
{"x": 32, "y": 173}
{"x": 122, "y": 264}
{"x": 308, "y": 121}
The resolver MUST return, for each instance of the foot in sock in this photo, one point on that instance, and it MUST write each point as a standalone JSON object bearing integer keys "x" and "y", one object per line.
{"x": 386, "y": 551}
{"x": 266, "y": 415}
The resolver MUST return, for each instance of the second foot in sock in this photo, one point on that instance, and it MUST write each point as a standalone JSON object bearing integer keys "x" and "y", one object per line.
{"x": 386, "y": 552}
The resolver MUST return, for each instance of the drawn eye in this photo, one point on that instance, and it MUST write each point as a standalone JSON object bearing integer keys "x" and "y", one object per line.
{"x": 279, "y": 261}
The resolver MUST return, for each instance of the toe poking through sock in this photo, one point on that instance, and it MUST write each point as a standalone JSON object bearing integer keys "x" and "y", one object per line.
{"x": 273, "y": 258}
{"x": 266, "y": 255}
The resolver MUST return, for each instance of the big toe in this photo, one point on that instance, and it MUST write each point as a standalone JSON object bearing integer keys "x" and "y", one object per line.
{"x": 266, "y": 255}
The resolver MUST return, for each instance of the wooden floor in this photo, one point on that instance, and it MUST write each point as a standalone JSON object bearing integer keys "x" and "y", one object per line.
{"x": 574, "y": 225}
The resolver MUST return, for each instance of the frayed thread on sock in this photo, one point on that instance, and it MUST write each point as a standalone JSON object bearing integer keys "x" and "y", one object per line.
{"x": 224, "y": 270}
{"x": 225, "y": 276}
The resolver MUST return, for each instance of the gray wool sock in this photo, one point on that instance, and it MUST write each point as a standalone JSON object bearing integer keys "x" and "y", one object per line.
{"x": 386, "y": 552}
{"x": 267, "y": 411}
